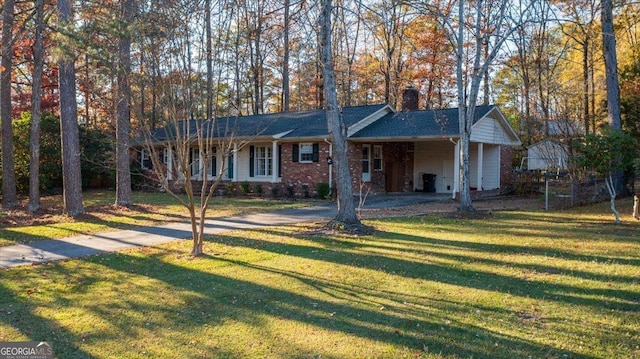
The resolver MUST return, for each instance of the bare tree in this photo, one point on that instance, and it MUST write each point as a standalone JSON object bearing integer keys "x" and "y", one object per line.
{"x": 36, "y": 113}
{"x": 71, "y": 173}
{"x": 123, "y": 110}
{"x": 346, "y": 216}
{"x": 9, "y": 194}
{"x": 478, "y": 30}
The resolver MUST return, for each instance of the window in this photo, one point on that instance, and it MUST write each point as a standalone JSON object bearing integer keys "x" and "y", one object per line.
{"x": 213, "y": 162}
{"x": 366, "y": 160}
{"x": 306, "y": 152}
{"x": 377, "y": 158}
{"x": 263, "y": 161}
{"x": 194, "y": 160}
{"x": 145, "y": 160}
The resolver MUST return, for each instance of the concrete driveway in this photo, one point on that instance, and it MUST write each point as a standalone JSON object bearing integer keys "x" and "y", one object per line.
{"x": 85, "y": 245}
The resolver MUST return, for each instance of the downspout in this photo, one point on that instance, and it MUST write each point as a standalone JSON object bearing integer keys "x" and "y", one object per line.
{"x": 456, "y": 170}
{"x": 330, "y": 166}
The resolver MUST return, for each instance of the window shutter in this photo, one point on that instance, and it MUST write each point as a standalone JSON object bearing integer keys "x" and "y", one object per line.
{"x": 214, "y": 162}
{"x": 230, "y": 167}
{"x": 295, "y": 153}
{"x": 251, "y": 161}
{"x": 316, "y": 152}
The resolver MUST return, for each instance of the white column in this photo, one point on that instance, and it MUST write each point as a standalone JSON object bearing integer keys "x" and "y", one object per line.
{"x": 480, "y": 165}
{"x": 456, "y": 169}
{"x": 274, "y": 161}
{"x": 235, "y": 163}
{"x": 499, "y": 166}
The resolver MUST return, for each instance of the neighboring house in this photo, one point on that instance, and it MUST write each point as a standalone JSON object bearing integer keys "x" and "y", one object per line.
{"x": 389, "y": 151}
{"x": 546, "y": 155}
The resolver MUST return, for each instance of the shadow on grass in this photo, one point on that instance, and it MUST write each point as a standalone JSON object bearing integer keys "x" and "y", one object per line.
{"x": 21, "y": 315}
{"x": 352, "y": 310}
{"x": 451, "y": 274}
{"x": 413, "y": 321}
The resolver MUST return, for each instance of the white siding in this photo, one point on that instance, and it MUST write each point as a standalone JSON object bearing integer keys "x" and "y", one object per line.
{"x": 491, "y": 168}
{"x": 489, "y": 130}
{"x": 546, "y": 155}
{"x": 436, "y": 158}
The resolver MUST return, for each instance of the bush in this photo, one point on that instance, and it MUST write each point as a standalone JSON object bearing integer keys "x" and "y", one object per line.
{"x": 259, "y": 189}
{"x": 323, "y": 190}
{"x": 244, "y": 187}
{"x": 96, "y": 152}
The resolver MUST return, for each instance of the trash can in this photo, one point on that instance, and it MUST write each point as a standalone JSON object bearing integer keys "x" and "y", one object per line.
{"x": 429, "y": 182}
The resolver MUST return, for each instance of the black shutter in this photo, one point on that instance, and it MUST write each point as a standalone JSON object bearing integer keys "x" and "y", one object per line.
{"x": 230, "y": 167}
{"x": 251, "y": 161}
{"x": 316, "y": 152}
{"x": 295, "y": 153}
{"x": 279, "y": 160}
{"x": 214, "y": 162}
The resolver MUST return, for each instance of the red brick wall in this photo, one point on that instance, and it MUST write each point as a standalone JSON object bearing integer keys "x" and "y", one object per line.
{"x": 303, "y": 177}
{"x": 506, "y": 168}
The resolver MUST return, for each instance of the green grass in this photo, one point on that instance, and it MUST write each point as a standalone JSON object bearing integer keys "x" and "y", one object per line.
{"x": 515, "y": 285}
{"x": 102, "y": 216}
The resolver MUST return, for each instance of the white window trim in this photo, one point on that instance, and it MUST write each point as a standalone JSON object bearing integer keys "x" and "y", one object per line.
{"x": 300, "y": 152}
{"x": 268, "y": 170}
{"x": 374, "y": 158}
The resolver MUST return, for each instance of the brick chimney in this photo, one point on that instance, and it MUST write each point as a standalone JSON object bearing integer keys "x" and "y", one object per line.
{"x": 410, "y": 98}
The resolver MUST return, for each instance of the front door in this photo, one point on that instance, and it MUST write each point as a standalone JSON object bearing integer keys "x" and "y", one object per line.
{"x": 393, "y": 176}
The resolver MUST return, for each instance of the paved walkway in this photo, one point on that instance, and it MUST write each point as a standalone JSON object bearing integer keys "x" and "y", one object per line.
{"x": 84, "y": 245}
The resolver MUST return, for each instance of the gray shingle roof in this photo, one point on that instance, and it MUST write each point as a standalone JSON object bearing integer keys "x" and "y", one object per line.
{"x": 296, "y": 124}
{"x": 313, "y": 124}
{"x": 418, "y": 124}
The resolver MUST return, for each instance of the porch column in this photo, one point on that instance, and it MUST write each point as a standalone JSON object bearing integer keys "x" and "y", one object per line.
{"x": 169, "y": 159}
{"x": 456, "y": 170}
{"x": 480, "y": 165}
{"x": 274, "y": 161}
{"x": 235, "y": 163}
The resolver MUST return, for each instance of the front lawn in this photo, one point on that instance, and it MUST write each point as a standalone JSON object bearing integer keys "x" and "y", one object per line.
{"x": 512, "y": 285}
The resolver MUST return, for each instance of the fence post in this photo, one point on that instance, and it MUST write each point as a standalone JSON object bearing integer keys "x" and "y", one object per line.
{"x": 546, "y": 195}
{"x": 573, "y": 183}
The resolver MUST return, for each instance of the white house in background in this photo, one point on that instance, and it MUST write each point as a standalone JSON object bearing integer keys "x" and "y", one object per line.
{"x": 546, "y": 155}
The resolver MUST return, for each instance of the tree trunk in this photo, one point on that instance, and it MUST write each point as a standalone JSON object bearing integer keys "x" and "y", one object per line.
{"x": 207, "y": 12}
{"x": 71, "y": 173}
{"x": 611, "y": 65}
{"x": 465, "y": 133}
{"x": 123, "y": 122}
{"x": 36, "y": 114}
{"x": 585, "y": 85}
{"x": 9, "y": 194}
{"x": 285, "y": 59}
{"x": 610, "y": 184}
{"x": 613, "y": 88}
{"x": 346, "y": 208}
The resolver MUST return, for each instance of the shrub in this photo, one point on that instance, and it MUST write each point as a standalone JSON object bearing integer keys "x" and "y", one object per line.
{"x": 245, "y": 187}
{"x": 259, "y": 189}
{"x": 323, "y": 190}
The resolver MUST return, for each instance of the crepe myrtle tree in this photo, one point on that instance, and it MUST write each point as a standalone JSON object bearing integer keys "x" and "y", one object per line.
{"x": 187, "y": 151}
{"x": 607, "y": 154}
